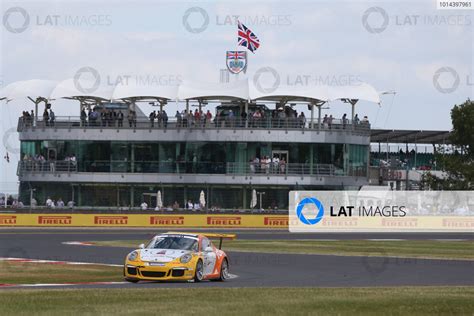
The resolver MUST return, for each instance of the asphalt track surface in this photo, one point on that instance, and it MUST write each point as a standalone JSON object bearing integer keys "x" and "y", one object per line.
{"x": 254, "y": 269}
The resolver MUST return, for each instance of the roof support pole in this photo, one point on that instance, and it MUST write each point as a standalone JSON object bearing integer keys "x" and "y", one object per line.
{"x": 187, "y": 106}
{"x": 312, "y": 116}
{"x": 319, "y": 117}
{"x": 353, "y": 103}
{"x": 247, "y": 112}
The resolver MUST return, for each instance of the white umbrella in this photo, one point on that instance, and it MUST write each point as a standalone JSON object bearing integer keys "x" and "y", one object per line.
{"x": 159, "y": 202}
{"x": 253, "y": 202}
{"x": 202, "y": 199}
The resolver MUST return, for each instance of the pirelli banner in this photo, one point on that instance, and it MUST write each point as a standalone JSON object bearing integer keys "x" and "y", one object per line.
{"x": 145, "y": 220}
{"x": 381, "y": 211}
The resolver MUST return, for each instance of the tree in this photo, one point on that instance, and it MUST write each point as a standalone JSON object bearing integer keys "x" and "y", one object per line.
{"x": 459, "y": 166}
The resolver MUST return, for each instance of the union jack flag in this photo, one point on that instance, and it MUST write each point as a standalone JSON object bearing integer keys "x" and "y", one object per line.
{"x": 236, "y": 55}
{"x": 247, "y": 38}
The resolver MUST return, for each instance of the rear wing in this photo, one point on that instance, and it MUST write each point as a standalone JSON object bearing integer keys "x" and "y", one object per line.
{"x": 211, "y": 236}
{"x": 221, "y": 237}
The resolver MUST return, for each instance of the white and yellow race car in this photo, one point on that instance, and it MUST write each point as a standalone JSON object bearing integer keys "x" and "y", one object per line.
{"x": 178, "y": 256}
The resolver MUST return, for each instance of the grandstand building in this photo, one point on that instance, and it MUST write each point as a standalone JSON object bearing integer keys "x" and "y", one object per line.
{"x": 112, "y": 155}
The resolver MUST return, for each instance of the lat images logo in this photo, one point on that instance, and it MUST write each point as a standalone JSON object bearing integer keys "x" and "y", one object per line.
{"x": 306, "y": 202}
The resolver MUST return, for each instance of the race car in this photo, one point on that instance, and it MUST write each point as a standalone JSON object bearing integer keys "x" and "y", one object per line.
{"x": 176, "y": 256}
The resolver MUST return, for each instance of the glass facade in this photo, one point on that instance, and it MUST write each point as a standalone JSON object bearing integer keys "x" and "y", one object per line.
{"x": 196, "y": 157}
{"x": 113, "y": 196}
{"x": 182, "y": 157}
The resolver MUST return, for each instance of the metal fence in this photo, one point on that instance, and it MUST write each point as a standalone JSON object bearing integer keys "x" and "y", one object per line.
{"x": 74, "y": 122}
{"x": 250, "y": 168}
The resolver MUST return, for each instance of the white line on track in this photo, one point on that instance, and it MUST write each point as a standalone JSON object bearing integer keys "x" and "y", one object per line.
{"x": 385, "y": 239}
{"x": 61, "y": 284}
{"x": 26, "y": 260}
{"x": 78, "y": 243}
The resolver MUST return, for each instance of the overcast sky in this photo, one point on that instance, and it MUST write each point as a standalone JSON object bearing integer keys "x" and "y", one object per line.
{"x": 424, "y": 54}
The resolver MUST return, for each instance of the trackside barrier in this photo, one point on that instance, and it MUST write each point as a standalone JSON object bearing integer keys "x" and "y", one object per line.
{"x": 144, "y": 220}
{"x": 415, "y": 223}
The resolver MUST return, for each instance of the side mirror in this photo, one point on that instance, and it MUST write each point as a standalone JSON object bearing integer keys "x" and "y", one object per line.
{"x": 208, "y": 249}
{"x": 141, "y": 246}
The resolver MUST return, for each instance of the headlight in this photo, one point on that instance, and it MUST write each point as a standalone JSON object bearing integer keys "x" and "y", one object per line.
{"x": 133, "y": 255}
{"x": 186, "y": 258}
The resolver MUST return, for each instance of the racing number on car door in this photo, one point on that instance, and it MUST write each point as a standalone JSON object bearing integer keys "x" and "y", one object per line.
{"x": 209, "y": 257}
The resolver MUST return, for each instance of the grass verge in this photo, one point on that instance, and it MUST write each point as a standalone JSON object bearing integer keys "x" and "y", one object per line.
{"x": 30, "y": 273}
{"x": 239, "y": 301}
{"x": 432, "y": 249}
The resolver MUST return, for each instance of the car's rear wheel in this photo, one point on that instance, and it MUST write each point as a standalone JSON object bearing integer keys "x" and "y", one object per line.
{"x": 199, "y": 273}
{"x": 224, "y": 271}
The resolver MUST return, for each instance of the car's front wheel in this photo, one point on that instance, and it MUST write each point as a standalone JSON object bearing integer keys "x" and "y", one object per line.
{"x": 199, "y": 273}
{"x": 131, "y": 280}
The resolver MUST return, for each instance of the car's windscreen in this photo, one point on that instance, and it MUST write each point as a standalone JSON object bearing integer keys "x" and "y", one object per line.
{"x": 172, "y": 242}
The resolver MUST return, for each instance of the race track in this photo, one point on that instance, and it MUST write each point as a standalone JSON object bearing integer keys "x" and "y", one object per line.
{"x": 254, "y": 269}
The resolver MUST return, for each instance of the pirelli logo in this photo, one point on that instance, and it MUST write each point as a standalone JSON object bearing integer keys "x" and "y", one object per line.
{"x": 55, "y": 220}
{"x": 458, "y": 223}
{"x": 7, "y": 220}
{"x": 167, "y": 220}
{"x": 224, "y": 220}
{"x": 399, "y": 222}
{"x": 340, "y": 222}
{"x": 110, "y": 220}
{"x": 275, "y": 221}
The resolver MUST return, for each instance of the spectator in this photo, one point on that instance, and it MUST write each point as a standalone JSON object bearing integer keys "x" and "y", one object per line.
{"x": 49, "y": 202}
{"x": 344, "y": 121}
{"x": 83, "y": 117}
{"x": 60, "y": 203}
{"x": 178, "y": 119}
{"x": 325, "y": 121}
{"x": 282, "y": 165}
{"x": 46, "y": 117}
{"x": 164, "y": 117}
{"x": 208, "y": 118}
{"x": 330, "y": 118}
{"x": 302, "y": 120}
{"x": 52, "y": 117}
{"x": 356, "y": 119}
{"x": 120, "y": 118}
{"x": 144, "y": 206}
{"x": 175, "y": 205}
{"x": 152, "y": 117}
{"x": 252, "y": 165}
{"x": 244, "y": 118}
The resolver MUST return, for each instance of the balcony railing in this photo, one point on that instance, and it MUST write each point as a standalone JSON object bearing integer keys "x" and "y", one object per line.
{"x": 73, "y": 122}
{"x": 166, "y": 167}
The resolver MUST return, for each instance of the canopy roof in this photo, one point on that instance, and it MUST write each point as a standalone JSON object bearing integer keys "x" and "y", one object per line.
{"x": 83, "y": 89}
{"x": 409, "y": 136}
{"x": 239, "y": 90}
{"x": 33, "y": 89}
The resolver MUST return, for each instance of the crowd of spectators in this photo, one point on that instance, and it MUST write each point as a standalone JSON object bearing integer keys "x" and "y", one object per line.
{"x": 280, "y": 118}
{"x": 268, "y": 165}
{"x": 10, "y": 202}
{"x": 39, "y": 163}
